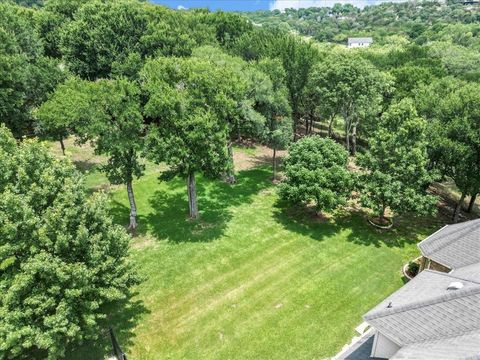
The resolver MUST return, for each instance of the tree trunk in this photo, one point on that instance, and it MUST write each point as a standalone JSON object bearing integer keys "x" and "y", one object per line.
{"x": 347, "y": 138}
{"x": 230, "y": 178}
{"x": 330, "y": 126}
{"x": 472, "y": 202}
{"x": 456, "y": 213}
{"x": 62, "y": 145}
{"x": 354, "y": 139}
{"x": 382, "y": 214}
{"x": 133, "y": 207}
{"x": 274, "y": 164}
{"x": 192, "y": 196}
{"x": 296, "y": 119}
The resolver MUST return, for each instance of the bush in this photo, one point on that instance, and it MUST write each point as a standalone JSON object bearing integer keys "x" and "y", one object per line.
{"x": 413, "y": 268}
{"x": 316, "y": 171}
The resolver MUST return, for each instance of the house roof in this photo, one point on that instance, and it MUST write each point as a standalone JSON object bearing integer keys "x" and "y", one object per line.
{"x": 466, "y": 346}
{"x": 455, "y": 246}
{"x": 429, "y": 318}
{"x": 428, "y": 286}
{"x": 425, "y": 310}
{"x": 469, "y": 272}
{"x": 354, "y": 40}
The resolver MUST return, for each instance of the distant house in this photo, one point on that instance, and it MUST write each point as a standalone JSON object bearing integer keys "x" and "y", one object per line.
{"x": 359, "y": 42}
{"x": 437, "y": 314}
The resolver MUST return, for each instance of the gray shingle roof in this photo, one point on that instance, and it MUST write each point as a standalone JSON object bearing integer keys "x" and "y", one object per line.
{"x": 455, "y": 246}
{"x": 428, "y": 285}
{"x": 358, "y": 40}
{"x": 427, "y": 320}
{"x": 447, "y": 316}
{"x": 466, "y": 346}
{"x": 469, "y": 272}
{"x": 432, "y": 314}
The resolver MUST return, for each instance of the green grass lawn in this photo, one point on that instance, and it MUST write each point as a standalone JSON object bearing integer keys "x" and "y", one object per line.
{"x": 253, "y": 279}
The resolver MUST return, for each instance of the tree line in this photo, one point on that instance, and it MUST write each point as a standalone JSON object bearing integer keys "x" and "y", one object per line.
{"x": 179, "y": 87}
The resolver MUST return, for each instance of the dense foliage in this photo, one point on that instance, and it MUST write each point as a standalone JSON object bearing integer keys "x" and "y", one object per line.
{"x": 26, "y": 75}
{"x": 316, "y": 171}
{"x": 396, "y": 174}
{"x": 454, "y": 122}
{"x": 61, "y": 258}
{"x": 409, "y": 18}
{"x": 108, "y": 114}
{"x": 188, "y": 131}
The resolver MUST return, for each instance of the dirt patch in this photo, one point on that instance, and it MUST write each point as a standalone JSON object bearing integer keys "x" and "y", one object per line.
{"x": 448, "y": 198}
{"x": 142, "y": 241}
{"x": 82, "y": 156}
{"x": 249, "y": 157}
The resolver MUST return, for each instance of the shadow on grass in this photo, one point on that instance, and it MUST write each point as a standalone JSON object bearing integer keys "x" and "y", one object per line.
{"x": 122, "y": 316}
{"x": 86, "y": 165}
{"x": 169, "y": 218}
{"x": 302, "y": 220}
{"x": 266, "y": 160}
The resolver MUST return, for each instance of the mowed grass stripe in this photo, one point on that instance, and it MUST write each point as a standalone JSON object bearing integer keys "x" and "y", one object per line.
{"x": 226, "y": 276}
{"x": 290, "y": 312}
{"x": 268, "y": 285}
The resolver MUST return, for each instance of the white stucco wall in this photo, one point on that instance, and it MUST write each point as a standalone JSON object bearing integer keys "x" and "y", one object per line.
{"x": 383, "y": 347}
{"x": 355, "y": 45}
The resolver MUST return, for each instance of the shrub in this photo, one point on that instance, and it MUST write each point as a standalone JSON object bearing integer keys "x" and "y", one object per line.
{"x": 316, "y": 171}
{"x": 413, "y": 268}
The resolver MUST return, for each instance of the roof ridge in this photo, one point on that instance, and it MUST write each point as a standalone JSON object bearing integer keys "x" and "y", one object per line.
{"x": 458, "y": 234}
{"x": 452, "y": 275}
{"x": 429, "y": 236}
{"x": 418, "y": 304}
{"x": 468, "y": 332}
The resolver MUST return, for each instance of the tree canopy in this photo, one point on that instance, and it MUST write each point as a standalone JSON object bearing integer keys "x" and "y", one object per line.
{"x": 454, "y": 126}
{"x": 395, "y": 165}
{"x": 188, "y": 100}
{"x": 61, "y": 257}
{"x": 316, "y": 171}
{"x": 347, "y": 85}
{"x": 108, "y": 114}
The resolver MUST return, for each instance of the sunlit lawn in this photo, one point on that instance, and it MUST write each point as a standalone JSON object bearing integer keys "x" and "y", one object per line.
{"x": 251, "y": 279}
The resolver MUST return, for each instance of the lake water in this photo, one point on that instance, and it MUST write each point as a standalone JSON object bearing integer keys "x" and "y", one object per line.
{"x": 252, "y": 5}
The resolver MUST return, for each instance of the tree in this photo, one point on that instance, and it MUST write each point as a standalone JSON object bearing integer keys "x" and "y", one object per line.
{"x": 452, "y": 108}
{"x": 297, "y": 55}
{"x": 395, "y": 171}
{"x": 229, "y": 26}
{"x": 101, "y": 33}
{"x": 108, "y": 114}
{"x": 186, "y": 106}
{"x": 62, "y": 260}
{"x": 106, "y": 35}
{"x": 276, "y": 109}
{"x": 248, "y": 88}
{"x": 349, "y": 86}
{"x": 298, "y": 58}
{"x": 56, "y": 117}
{"x": 316, "y": 171}
{"x": 50, "y": 21}
{"x": 26, "y": 76}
